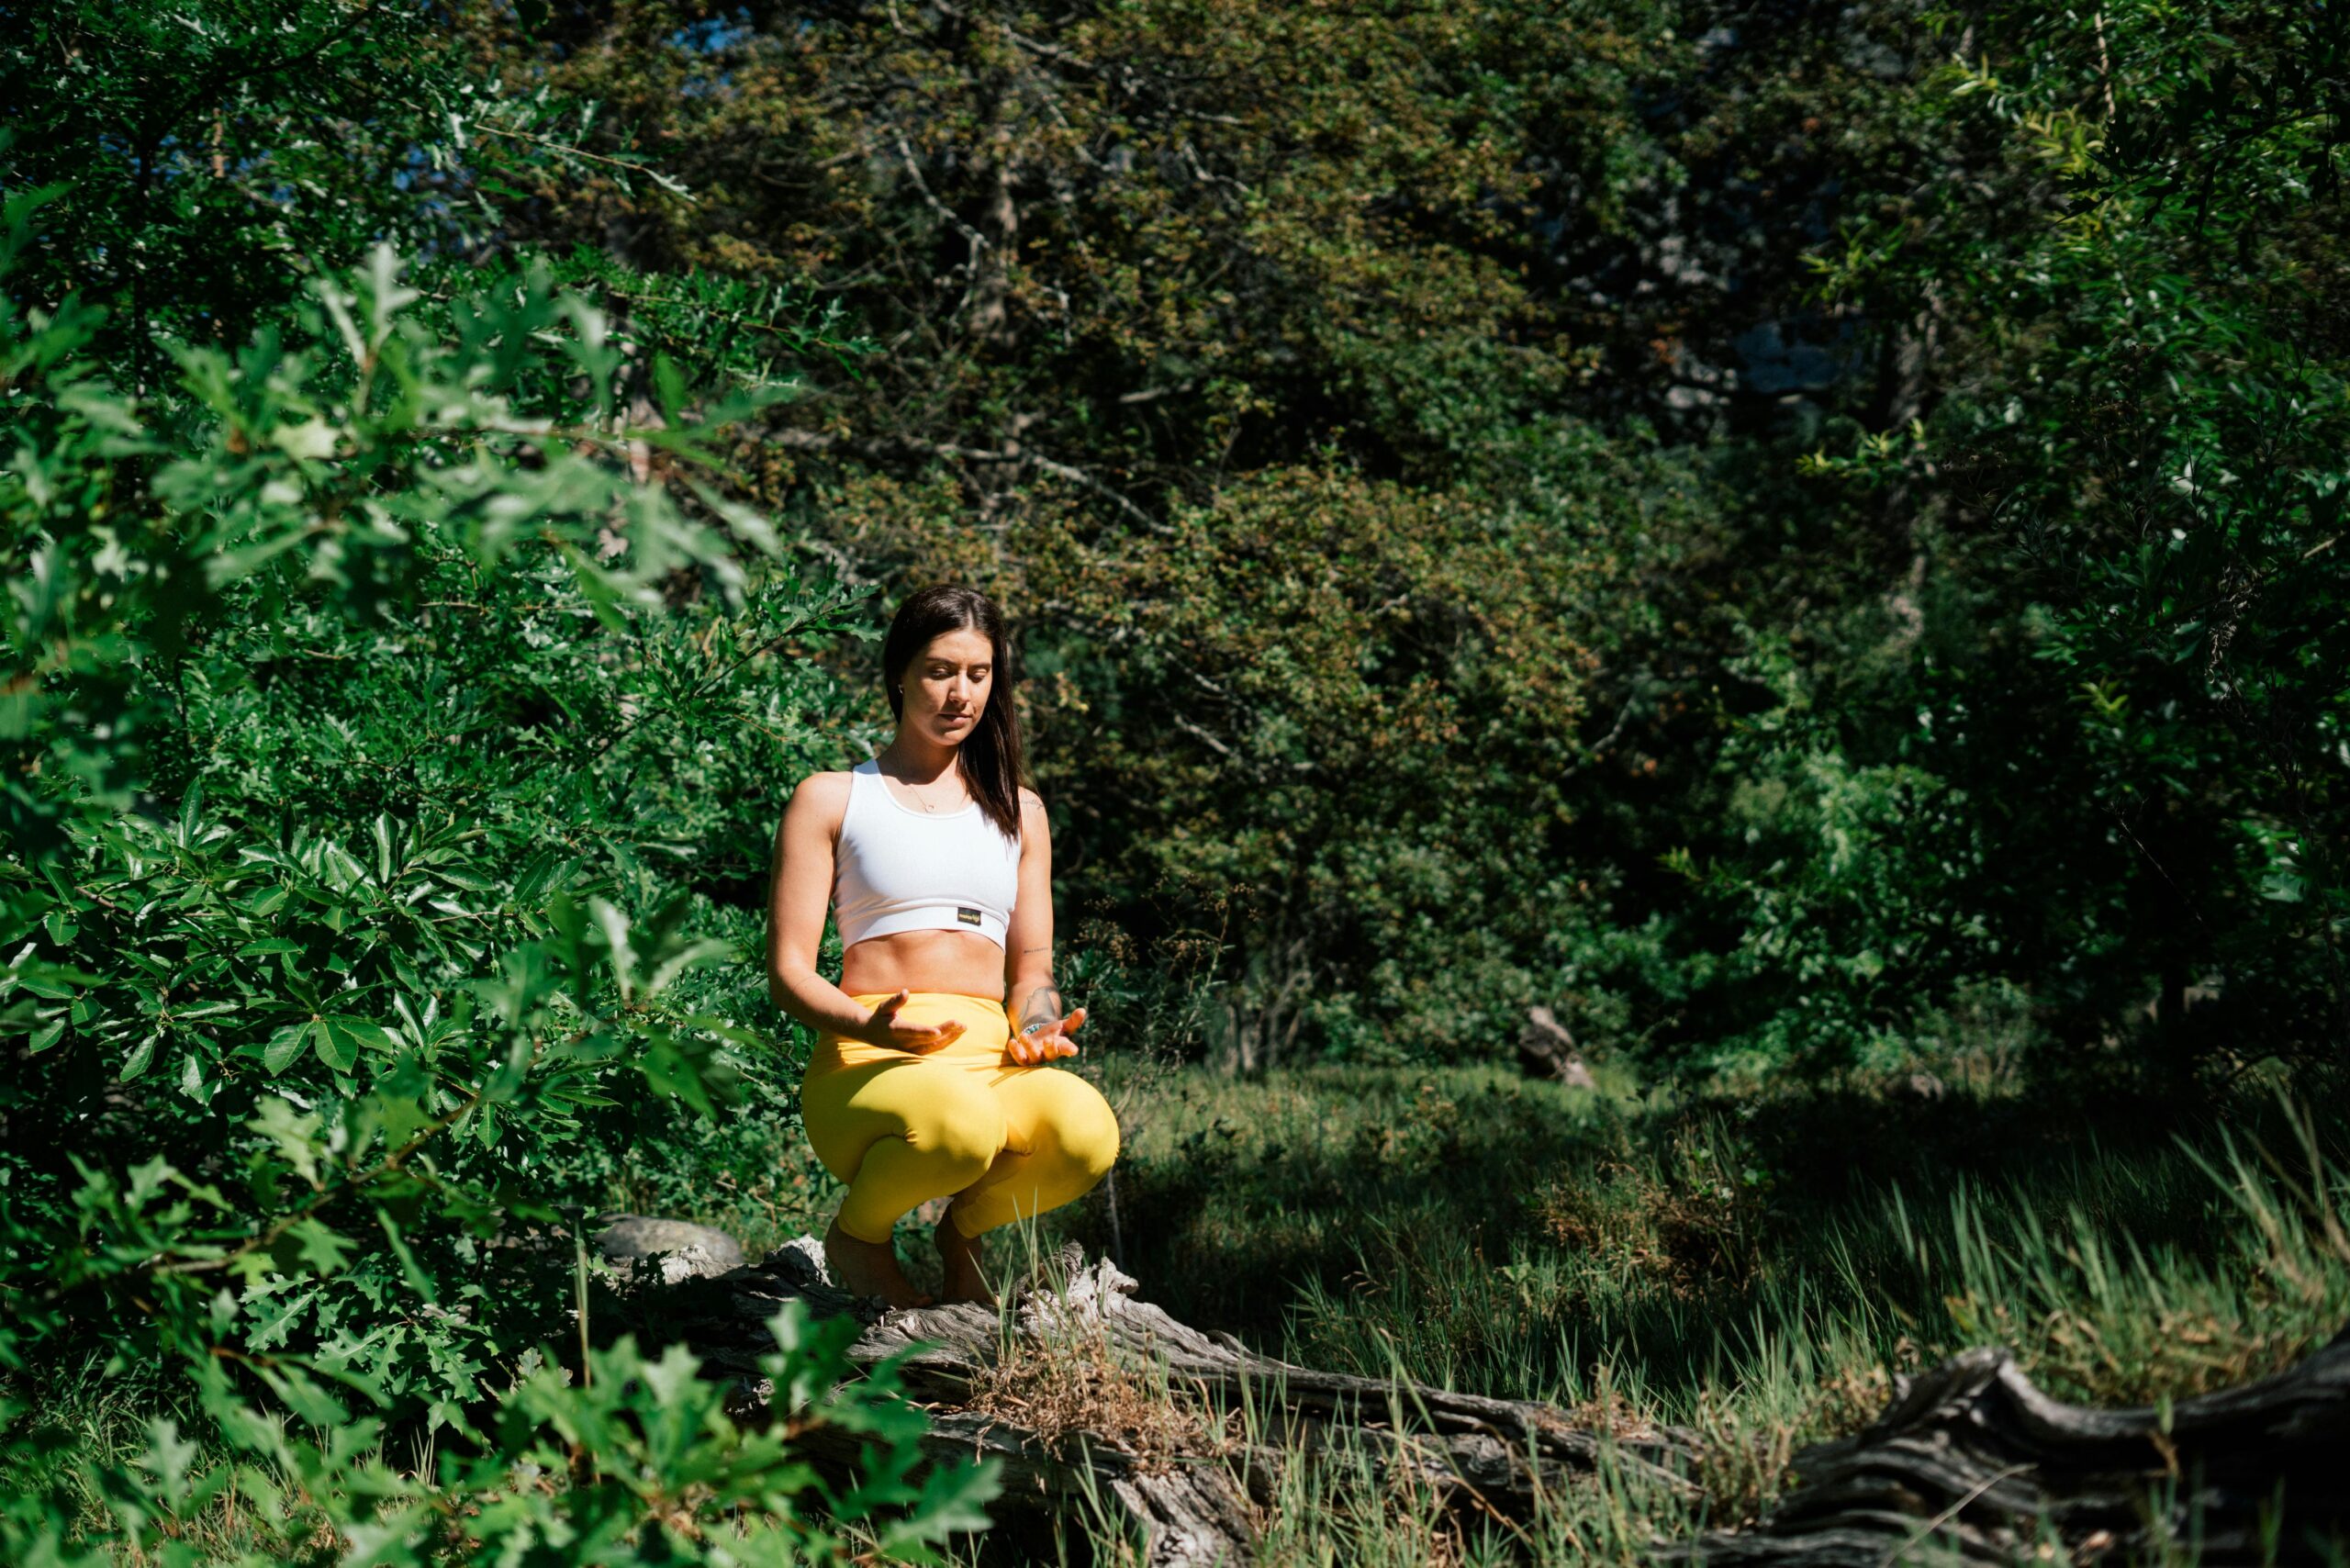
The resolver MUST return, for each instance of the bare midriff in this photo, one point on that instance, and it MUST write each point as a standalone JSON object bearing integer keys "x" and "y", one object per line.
{"x": 924, "y": 960}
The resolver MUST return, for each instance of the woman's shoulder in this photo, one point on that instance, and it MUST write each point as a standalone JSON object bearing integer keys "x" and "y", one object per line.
{"x": 832, "y": 780}
{"x": 824, "y": 793}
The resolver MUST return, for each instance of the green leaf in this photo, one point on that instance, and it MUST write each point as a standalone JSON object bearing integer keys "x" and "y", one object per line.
{"x": 339, "y": 1039}
{"x": 545, "y": 869}
{"x": 668, "y": 387}
{"x": 295, "y": 1133}
{"x": 336, "y": 1049}
{"x": 141, "y": 1057}
{"x": 418, "y": 1281}
{"x": 304, "y": 1395}
{"x": 283, "y": 1048}
{"x": 51, "y": 983}
{"x": 673, "y": 1073}
{"x": 322, "y": 1249}
{"x": 168, "y": 1458}
{"x": 191, "y": 809}
{"x": 614, "y": 926}
{"x": 953, "y": 1500}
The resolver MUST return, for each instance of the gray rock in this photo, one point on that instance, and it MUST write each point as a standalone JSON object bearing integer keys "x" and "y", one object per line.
{"x": 684, "y": 1250}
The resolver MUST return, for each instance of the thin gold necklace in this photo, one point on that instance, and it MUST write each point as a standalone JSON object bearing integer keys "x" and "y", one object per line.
{"x": 919, "y": 801}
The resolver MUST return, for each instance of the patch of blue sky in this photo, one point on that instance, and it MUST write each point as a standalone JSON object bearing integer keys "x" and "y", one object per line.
{"x": 710, "y": 39}
{"x": 716, "y": 34}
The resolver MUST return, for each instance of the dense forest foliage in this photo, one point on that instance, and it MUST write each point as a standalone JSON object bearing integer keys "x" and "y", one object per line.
{"x": 1802, "y": 538}
{"x": 1755, "y": 529}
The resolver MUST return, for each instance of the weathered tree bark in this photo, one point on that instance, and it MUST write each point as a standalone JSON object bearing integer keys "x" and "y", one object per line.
{"x": 1970, "y": 1462}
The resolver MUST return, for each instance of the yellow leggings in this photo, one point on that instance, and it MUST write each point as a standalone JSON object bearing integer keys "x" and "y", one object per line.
{"x": 901, "y": 1129}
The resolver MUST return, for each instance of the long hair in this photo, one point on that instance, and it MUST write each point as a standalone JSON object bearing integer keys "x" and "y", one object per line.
{"x": 989, "y": 758}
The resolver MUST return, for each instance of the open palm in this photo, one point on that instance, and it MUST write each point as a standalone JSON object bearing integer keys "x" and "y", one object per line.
{"x": 1049, "y": 1043}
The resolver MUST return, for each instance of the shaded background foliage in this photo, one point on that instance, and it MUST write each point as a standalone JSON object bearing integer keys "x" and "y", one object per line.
{"x": 1845, "y": 366}
{"x": 1780, "y": 532}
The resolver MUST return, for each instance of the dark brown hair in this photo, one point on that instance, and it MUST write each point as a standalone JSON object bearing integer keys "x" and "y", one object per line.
{"x": 989, "y": 759}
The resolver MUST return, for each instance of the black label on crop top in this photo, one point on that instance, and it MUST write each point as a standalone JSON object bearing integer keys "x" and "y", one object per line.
{"x": 967, "y": 916}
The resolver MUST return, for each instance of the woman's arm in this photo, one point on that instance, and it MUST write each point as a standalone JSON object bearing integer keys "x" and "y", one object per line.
{"x": 801, "y": 888}
{"x": 1029, "y": 948}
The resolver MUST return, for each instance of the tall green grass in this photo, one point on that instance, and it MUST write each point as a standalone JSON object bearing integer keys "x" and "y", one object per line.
{"x": 1759, "y": 1270}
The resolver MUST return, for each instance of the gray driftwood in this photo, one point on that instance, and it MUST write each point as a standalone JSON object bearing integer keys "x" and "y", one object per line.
{"x": 1490, "y": 1456}
{"x": 1970, "y": 1462}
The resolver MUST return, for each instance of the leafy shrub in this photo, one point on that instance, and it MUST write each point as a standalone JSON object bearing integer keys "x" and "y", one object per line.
{"x": 637, "y": 1461}
{"x": 360, "y": 686}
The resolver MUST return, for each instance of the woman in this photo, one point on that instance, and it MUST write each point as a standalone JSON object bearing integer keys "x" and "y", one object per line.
{"x": 940, "y": 865}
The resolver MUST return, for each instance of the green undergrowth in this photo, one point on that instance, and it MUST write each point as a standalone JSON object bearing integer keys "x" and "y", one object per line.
{"x": 1757, "y": 1268}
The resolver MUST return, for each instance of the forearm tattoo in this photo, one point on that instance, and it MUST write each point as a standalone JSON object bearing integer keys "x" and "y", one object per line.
{"x": 1043, "y": 1006}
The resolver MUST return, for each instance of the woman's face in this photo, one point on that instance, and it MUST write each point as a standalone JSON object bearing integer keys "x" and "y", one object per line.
{"x": 945, "y": 688}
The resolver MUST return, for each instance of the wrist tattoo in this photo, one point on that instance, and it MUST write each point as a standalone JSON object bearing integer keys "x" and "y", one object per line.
{"x": 1043, "y": 1007}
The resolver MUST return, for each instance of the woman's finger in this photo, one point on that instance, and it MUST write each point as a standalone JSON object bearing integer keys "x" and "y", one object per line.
{"x": 1076, "y": 1020}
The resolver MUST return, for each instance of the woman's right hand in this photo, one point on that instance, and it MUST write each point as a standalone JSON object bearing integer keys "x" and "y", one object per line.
{"x": 885, "y": 1029}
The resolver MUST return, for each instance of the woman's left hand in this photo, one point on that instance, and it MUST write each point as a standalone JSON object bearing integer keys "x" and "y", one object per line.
{"x": 1048, "y": 1043}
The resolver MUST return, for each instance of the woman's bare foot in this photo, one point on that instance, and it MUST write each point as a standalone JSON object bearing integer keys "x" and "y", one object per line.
{"x": 966, "y": 1281}
{"x": 869, "y": 1268}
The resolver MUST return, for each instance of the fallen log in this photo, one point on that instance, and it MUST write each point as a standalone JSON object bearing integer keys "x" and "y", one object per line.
{"x": 1181, "y": 1432}
{"x": 1970, "y": 1462}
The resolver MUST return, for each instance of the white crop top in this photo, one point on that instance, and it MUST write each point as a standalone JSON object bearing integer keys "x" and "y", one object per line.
{"x": 900, "y": 869}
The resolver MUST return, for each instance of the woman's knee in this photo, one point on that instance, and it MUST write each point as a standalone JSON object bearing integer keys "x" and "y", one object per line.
{"x": 1086, "y": 1128}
